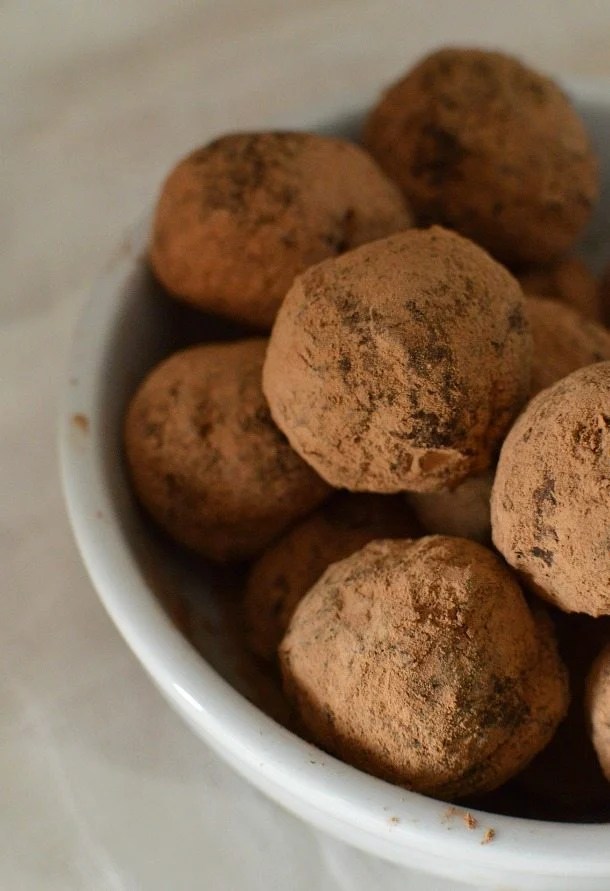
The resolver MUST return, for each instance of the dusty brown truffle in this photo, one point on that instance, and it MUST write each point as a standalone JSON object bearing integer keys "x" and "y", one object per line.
{"x": 420, "y": 662}
{"x": 483, "y": 144}
{"x": 598, "y": 708}
{"x": 400, "y": 365}
{"x": 288, "y": 569}
{"x": 568, "y": 280}
{"x": 564, "y": 341}
{"x": 239, "y": 218}
{"x": 206, "y": 459}
{"x": 463, "y": 511}
{"x": 551, "y": 496}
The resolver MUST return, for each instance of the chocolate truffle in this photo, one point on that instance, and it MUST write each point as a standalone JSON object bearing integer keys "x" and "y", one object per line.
{"x": 288, "y": 569}
{"x": 483, "y": 144}
{"x": 400, "y": 365}
{"x": 598, "y": 708}
{"x": 568, "y": 280}
{"x": 463, "y": 511}
{"x": 564, "y": 341}
{"x": 205, "y": 458}
{"x": 551, "y": 496}
{"x": 239, "y": 218}
{"x": 421, "y": 663}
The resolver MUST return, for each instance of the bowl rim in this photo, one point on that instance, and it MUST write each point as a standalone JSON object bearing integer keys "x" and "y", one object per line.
{"x": 273, "y": 757}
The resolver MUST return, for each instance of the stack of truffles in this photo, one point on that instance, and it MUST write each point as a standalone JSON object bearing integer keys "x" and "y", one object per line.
{"x": 411, "y": 444}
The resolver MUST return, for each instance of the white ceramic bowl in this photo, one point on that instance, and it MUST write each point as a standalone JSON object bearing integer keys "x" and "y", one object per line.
{"x": 123, "y": 331}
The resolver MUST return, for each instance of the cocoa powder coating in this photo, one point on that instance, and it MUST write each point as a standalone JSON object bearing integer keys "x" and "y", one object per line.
{"x": 205, "y": 458}
{"x": 485, "y": 145}
{"x": 400, "y": 365}
{"x": 564, "y": 340}
{"x": 421, "y": 663}
{"x": 239, "y": 218}
{"x": 291, "y": 565}
{"x": 551, "y": 496}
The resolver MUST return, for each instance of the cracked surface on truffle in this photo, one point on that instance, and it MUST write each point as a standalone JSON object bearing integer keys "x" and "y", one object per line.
{"x": 206, "y": 459}
{"x": 551, "y": 495}
{"x": 240, "y": 217}
{"x": 400, "y": 365}
{"x": 485, "y": 145}
{"x": 288, "y": 569}
{"x": 420, "y": 662}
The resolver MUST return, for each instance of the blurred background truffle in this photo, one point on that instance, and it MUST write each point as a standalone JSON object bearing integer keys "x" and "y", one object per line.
{"x": 481, "y": 143}
{"x": 205, "y": 458}
{"x": 570, "y": 281}
{"x": 564, "y": 340}
{"x": 240, "y": 217}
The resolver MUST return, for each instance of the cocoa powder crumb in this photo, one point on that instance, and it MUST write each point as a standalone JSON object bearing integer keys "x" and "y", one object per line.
{"x": 81, "y": 422}
{"x": 450, "y": 813}
{"x": 488, "y": 836}
{"x": 470, "y": 821}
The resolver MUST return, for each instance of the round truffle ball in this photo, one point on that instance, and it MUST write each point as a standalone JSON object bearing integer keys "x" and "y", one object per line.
{"x": 288, "y": 569}
{"x": 206, "y": 459}
{"x": 400, "y": 365}
{"x": 483, "y": 144}
{"x": 564, "y": 341}
{"x": 421, "y": 663}
{"x": 550, "y": 501}
{"x": 238, "y": 219}
{"x": 598, "y": 708}
{"x": 463, "y": 511}
{"x": 568, "y": 280}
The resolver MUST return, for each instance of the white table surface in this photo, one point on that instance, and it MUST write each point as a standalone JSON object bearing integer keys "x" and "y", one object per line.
{"x": 101, "y": 786}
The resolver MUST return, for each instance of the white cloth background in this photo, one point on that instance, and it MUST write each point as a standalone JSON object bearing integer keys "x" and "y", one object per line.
{"x": 101, "y": 786}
